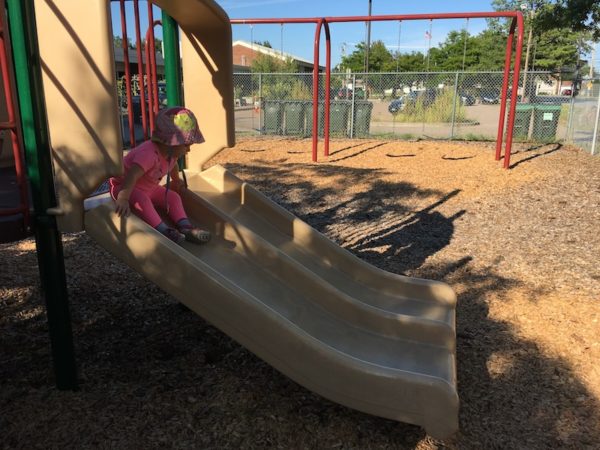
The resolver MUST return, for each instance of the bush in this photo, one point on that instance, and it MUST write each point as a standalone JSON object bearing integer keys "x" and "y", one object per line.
{"x": 440, "y": 110}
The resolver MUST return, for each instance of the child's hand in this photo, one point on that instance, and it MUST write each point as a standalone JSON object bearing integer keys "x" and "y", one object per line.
{"x": 177, "y": 185}
{"x": 122, "y": 206}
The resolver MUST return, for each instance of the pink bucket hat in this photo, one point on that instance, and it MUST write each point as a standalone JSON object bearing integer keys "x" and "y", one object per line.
{"x": 176, "y": 126}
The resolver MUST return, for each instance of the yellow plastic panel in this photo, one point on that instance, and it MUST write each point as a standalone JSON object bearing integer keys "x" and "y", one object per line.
{"x": 76, "y": 49}
{"x": 207, "y": 73}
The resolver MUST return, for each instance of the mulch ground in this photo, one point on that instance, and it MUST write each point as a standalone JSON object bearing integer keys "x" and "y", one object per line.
{"x": 520, "y": 248}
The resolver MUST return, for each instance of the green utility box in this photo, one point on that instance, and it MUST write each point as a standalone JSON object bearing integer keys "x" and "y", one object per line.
{"x": 362, "y": 118}
{"x": 293, "y": 113}
{"x": 338, "y": 117}
{"x": 545, "y": 122}
{"x": 308, "y": 114}
{"x": 523, "y": 113}
{"x": 272, "y": 116}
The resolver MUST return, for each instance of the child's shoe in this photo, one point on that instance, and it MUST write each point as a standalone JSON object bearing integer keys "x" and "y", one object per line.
{"x": 174, "y": 235}
{"x": 195, "y": 235}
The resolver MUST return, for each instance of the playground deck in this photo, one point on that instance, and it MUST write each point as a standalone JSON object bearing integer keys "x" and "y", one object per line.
{"x": 519, "y": 247}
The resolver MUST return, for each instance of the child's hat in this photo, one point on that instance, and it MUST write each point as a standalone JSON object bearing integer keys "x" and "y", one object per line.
{"x": 176, "y": 126}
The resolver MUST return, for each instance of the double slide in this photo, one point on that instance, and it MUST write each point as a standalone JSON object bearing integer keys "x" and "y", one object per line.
{"x": 374, "y": 341}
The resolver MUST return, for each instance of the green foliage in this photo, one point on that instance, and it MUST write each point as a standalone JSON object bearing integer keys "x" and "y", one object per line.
{"x": 442, "y": 109}
{"x": 557, "y": 46}
{"x": 269, "y": 64}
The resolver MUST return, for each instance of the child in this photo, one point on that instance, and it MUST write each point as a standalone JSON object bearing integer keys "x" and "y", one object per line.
{"x": 139, "y": 187}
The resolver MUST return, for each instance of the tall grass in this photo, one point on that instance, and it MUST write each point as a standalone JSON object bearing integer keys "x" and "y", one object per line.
{"x": 441, "y": 110}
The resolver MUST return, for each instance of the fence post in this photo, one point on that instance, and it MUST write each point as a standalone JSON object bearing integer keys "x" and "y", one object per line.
{"x": 352, "y": 107}
{"x": 595, "y": 137}
{"x": 454, "y": 105}
{"x": 260, "y": 104}
{"x": 571, "y": 110}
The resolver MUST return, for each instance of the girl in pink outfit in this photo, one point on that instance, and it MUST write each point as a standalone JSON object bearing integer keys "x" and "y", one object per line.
{"x": 139, "y": 188}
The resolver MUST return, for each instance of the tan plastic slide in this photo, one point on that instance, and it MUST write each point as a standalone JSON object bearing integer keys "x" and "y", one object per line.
{"x": 368, "y": 339}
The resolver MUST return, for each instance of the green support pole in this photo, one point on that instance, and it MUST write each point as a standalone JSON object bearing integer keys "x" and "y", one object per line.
{"x": 172, "y": 66}
{"x": 172, "y": 60}
{"x": 22, "y": 25}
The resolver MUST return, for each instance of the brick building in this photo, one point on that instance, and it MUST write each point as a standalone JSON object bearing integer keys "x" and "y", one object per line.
{"x": 245, "y": 52}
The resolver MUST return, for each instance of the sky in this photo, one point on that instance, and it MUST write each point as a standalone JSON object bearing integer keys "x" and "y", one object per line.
{"x": 297, "y": 39}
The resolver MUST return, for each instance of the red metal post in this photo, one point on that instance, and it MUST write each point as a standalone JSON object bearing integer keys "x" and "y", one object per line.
{"x": 327, "y": 86}
{"x": 516, "y": 15}
{"x": 138, "y": 37}
{"x": 505, "y": 80}
{"x": 513, "y": 96}
{"x": 151, "y": 74}
{"x": 315, "y": 130}
{"x": 127, "y": 75}
{"x": 11, "y": 126}
{"x": 152, "y": 69}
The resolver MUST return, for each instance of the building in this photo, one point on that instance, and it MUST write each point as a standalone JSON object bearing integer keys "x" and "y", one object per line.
{"x": 244, "y": 53}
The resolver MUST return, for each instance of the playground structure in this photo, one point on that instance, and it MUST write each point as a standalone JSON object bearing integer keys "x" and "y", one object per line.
{"x": 368, "y": 339}
{"x": 323, "y": 22}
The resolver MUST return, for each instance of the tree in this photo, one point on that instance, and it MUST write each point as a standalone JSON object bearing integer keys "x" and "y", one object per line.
{"x": 269, "y": 64}
{"x": 118, "y": 42}
{"x": 380, "y": 59}
{"x": 577, "y": 15}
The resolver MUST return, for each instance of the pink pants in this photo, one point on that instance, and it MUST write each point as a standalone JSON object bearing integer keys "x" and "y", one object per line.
{"x": 144, "y": 204}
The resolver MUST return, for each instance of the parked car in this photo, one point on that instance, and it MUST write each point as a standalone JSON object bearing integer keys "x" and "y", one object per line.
{"x": 396, "y": 106}
{"x": 490, "y": 96}
{"x": 428, "y": 96}
{"x": 466, "y": 99}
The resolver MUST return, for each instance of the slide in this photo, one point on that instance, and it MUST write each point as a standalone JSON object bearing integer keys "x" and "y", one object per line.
{"x": 374, "y": 341}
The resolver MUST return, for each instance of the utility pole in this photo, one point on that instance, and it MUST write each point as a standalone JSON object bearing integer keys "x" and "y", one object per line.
{"x": 368, "y": 47}
{"x": 525, "y": 6}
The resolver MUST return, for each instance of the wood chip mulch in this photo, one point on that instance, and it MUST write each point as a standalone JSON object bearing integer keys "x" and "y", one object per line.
{"x": 520, "y": 247}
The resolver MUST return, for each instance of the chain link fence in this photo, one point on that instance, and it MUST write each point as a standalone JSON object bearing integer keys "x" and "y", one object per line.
{"x": 410, "y": 105}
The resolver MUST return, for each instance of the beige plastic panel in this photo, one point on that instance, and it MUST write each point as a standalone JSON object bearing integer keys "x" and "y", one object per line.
{"x": 207, "y": 65}
{"x": 76, "y": 40}
{"x": 76, "y": 46}
{"x": 368, "y": 339}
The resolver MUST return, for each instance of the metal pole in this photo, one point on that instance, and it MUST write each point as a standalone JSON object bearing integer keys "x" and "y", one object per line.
{"x": 505, "y": 80}
{"x": 327, "y": 87}
{"x": 513, "y": 95}
{"x": 315, "y": 118}
{"x": 172, "y": 66}
{"x": 368, "y": 46}
{"x": 571, "y": 112}
{"x": 454, "y": 105}
{"x": 172, "y": 60}
{"x": 352, "y": 109}
{"x": 260, "y": 103}
{"x": 39, "y": 168}
{"x": 595, "y": 138}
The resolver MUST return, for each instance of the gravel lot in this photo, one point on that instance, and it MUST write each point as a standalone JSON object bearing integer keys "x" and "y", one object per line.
{"x": 520, "y": 247}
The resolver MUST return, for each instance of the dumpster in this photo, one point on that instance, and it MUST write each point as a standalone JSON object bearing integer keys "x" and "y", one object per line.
{"x": 545, "y": 122}
{"x": 272, "y": 117}
{"x": 523, "y": 113}
{"x": 308, "y": 114}
{"x": 362, "y": 118}
{"x": 293, "y": 118}
{"x": 338, "y": 117}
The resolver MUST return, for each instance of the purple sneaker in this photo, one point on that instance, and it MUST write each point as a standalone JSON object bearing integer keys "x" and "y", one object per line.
{"x": 195, "y": 235}
{"x": 174, "y": 235}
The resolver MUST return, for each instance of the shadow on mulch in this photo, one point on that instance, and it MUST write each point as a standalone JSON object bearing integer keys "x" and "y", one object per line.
{"x": 554, "y": 148}
{"x": 154, "y": 373}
